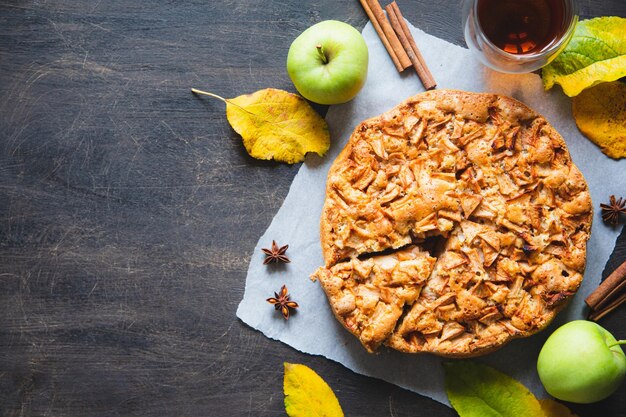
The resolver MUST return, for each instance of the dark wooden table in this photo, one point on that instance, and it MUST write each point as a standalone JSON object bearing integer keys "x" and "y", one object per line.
{"x": 129, "y": 208}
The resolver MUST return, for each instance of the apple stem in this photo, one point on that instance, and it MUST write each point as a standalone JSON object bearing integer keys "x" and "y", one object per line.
{"x": 204, "y": 93}
{"x": 320, "y": 51}
{"x": 619, "y": 342}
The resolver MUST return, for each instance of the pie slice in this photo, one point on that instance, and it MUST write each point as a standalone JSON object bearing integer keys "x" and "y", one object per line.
{"x": 368, "y": 296}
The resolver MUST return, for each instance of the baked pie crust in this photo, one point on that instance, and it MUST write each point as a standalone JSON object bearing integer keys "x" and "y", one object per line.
{"x": 452, "y": 224}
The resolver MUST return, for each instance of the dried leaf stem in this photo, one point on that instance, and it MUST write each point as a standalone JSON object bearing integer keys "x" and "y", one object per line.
{"x": 204, "y": 93}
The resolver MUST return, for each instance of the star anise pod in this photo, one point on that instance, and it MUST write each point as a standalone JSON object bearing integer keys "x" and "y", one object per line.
{"x": 282, "y": 302}
{"x": 611, "y": 211}
{"x": 276, "y": 254}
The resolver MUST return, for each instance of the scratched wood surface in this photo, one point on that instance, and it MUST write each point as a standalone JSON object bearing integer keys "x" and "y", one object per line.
{"x": 129, "y": 208}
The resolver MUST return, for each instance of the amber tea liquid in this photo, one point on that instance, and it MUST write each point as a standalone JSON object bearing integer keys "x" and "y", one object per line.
{"x": 522, "y": 26}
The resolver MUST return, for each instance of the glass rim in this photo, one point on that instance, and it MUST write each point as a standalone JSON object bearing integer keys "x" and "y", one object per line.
{"x": 570, "y": 14}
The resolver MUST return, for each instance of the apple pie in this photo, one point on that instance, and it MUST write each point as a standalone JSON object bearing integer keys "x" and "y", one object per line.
{"x": 452, "y": 224}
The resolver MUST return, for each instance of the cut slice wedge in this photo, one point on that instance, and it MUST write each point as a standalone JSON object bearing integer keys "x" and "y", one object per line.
{"x": 368, "y": 296}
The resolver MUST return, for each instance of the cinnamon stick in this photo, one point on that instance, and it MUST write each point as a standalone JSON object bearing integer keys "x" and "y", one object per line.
{"x": 605, "y": 289}
{"x": 598, "y": 314}
{"x": 382, "y": 36}
{"x": 386, "y": 32}
{"x": 610, "y": 294}
{"x": 408, "y": 42}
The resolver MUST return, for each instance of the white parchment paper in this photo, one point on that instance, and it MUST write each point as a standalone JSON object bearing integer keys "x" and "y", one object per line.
{"x": 313, "y": 329}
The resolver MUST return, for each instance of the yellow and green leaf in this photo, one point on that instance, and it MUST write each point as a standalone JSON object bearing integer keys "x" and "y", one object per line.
{"x": 276, "y": 124}
{"x": 596, "y": 53}
{"x": 307, "y": 394}
{"x": 476, "y": 390}
{"x": 551, "y": 408}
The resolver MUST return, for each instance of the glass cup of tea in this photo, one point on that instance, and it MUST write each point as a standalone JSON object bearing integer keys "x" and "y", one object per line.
{"x": 518, "y": 36}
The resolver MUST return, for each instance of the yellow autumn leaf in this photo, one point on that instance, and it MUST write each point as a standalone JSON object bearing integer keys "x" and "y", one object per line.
{"x": 552, "y": 408}
{"x": 600, "y": 114}
{"x": 276, "y": 124}
{"x": 307, "y": 394}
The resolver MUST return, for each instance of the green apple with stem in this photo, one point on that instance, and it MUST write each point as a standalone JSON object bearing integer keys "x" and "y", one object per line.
{"x": 328, "y": 62}
{"x": 581, "y": 362}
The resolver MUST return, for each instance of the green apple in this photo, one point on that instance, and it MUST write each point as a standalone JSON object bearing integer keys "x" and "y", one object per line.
{"x": 328, "y": 62}
{"x": 581, "y": 362}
